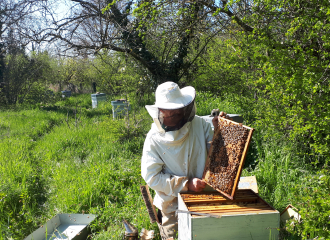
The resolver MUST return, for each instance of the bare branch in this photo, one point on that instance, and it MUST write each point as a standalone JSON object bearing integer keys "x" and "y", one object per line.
{"x": 229, "y": 13}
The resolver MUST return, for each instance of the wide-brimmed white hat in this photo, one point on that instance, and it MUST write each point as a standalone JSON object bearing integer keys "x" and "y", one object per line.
{"x": 170, "y": 96}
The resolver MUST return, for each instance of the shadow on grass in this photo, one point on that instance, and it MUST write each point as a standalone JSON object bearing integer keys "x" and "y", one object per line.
{"x": 65, "y": 110}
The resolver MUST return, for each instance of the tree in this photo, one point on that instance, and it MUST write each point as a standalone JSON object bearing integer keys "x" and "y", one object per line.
{"x": 117, "y": 74}
{"x": 158, "y": 35}
{"x": 282, "y": 52}
{"x": 276, "y": 42}
{"x": 18, "y": 19}
{"x": 73, "y": 73}
{"x": 24, "y": 75}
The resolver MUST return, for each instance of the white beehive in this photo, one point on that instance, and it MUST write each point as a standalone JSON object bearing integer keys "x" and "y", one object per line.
{"x": 97, "y": 98}
{"x": 208, "y": 215}
{"x": 120, "y": 108}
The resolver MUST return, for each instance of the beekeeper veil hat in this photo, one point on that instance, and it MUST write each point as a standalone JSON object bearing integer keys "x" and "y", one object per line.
{"x": 170, "y": 97}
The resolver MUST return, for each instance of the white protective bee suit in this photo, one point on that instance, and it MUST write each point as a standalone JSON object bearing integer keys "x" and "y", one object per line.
{"x": 171, "y": 158}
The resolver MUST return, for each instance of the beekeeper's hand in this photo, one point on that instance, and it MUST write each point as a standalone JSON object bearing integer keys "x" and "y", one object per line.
{"x": 215, "y": 120}
{"x": 224, "y": 115}
{"x": 196, "y": 185}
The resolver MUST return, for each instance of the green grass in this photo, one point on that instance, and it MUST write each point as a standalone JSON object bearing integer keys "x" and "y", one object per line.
{"x": 52, "y": 163}
{"x": 55, "y": 160}
{"x": 276, "y": 169}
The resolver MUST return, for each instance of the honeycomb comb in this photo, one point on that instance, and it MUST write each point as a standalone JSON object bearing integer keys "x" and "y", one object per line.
{"x": 226, "y": 156}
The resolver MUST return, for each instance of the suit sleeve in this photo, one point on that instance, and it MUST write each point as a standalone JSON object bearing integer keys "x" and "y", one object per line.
{"x": 151, "y": 171}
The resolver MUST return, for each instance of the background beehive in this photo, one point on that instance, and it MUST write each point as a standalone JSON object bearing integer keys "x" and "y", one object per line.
{"x": 226, "y": 156}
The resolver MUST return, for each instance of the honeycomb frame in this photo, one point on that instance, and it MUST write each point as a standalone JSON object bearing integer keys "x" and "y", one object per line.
{"x": 226, "y": 156}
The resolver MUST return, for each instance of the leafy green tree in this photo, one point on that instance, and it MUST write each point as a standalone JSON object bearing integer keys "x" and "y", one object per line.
{"x": 69, "y": 73}
{"x": 24, "y": 75}
{"x": 117, "y": 74}
{"x": 289, "y": 50}
{"x": 17, "y": 22}
{"x": 219, "y": 70}
{"x": 278, "y": 54}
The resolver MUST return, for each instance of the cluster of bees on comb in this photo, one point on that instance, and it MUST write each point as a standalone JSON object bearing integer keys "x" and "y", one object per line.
{"x": 224, "y": 160}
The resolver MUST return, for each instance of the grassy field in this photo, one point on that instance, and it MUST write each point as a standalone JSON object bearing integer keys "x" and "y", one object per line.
{"x": 68, "y": 158}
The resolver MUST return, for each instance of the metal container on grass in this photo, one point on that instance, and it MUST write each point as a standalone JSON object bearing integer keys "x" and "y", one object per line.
{"x": 98, "y": 97}
{"x": 64, "y": 226}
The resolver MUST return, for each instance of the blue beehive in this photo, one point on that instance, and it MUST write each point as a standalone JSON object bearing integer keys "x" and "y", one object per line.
{"x": 98, "y": 97}
{"x": 66, "y": 93}
{"x": 120, "y": 107}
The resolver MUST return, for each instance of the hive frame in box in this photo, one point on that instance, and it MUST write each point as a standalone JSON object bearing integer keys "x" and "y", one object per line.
{"x": 217, "y": 134}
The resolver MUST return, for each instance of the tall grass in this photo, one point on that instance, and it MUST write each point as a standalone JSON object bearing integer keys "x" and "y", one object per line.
{"x": 276, "y": 168}
{"x": 51, "y": 163}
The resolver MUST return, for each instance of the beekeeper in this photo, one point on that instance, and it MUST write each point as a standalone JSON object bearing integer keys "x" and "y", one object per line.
{"x": 175, "y": 149}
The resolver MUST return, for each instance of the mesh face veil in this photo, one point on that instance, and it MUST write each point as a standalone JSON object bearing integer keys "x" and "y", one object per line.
{"x": 174, "y": 119}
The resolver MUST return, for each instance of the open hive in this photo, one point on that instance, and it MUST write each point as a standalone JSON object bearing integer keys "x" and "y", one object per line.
{"x": 210, "y": 215}
{"x": 246, "y": 201}
{"x": 227, "y": 213}
{"x": 226, "y": 156}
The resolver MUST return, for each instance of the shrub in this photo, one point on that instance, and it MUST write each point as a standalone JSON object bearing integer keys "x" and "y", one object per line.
{"x": 312, "y": 198}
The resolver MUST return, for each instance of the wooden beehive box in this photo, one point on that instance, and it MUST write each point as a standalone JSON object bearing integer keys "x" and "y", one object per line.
{"x": 226, "y": 157}
{"x": 209, "y": 215}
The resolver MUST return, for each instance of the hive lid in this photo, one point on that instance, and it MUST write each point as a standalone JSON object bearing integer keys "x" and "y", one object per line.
{"x": 226, "y": 156}
{"x": 98, "y": 94}
{"x": 119, "y": 101}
